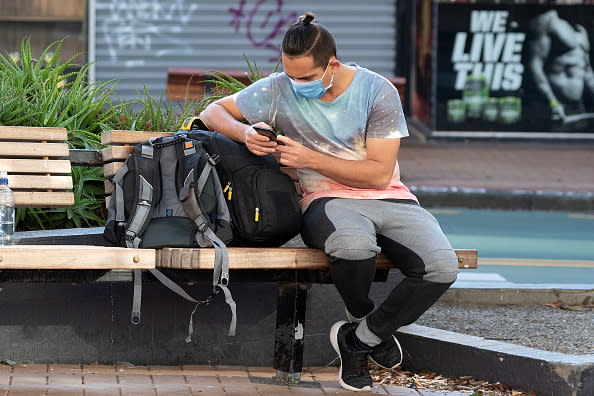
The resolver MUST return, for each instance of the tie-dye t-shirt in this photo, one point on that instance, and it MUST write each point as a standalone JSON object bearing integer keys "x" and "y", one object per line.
{"x": 369, "y": 108}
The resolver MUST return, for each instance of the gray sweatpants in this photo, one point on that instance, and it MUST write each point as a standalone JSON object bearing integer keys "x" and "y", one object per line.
{"x": 353, "y": 231}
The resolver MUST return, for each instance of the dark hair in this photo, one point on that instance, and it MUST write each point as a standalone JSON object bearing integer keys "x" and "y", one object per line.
{"x": 306, "y": 38}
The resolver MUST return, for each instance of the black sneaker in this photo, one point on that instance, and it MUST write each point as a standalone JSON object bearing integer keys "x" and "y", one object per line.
{"x": 387, "y": 354}
{"x": 354, "y": 373}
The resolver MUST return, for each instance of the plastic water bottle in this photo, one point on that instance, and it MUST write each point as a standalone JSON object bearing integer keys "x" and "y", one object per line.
{"x": 6, "y": 211}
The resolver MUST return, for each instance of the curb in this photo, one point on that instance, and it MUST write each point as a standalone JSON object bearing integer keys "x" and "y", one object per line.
{"x": 482, "y": 198}
{"x": 453, "y": 354}
{"x": 515, "y": 296}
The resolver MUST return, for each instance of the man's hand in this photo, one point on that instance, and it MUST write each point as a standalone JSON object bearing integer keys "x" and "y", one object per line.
{"x": 295, "y": 154}
{"x": 256, "y": 143}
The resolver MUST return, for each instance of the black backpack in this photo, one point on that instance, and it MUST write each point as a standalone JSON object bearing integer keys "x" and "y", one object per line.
{"x": 262, "y": 199}
{"x": 167, "y": 194}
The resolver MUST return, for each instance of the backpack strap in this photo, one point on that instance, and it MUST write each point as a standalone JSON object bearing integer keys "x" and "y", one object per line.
{"x": 177, "y": 289}
{"x": 145, "y": 193}
{"x": 119, "y": 193}
{"x": 206, "y": 236}
{"x": 136, "y": 298}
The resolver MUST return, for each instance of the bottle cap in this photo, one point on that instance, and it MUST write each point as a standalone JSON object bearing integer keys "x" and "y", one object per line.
{"x": 3, "y": 178}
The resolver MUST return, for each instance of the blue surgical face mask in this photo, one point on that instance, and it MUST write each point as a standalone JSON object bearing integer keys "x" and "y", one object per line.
{"x": 312, "y": 89}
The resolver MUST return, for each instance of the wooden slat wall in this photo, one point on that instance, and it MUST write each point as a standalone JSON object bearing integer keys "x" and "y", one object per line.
{"x": 43, "y": 22}
{"x": 36, "y": 160}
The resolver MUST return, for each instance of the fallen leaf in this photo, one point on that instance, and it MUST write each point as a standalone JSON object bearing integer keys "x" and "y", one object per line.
{"x": 557, "y": 304}
{"x": 573, "y": 307}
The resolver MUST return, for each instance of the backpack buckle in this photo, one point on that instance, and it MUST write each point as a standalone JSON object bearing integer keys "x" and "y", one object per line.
{"x": 130, "y": 235}
{"x": 203, "y": 227}
{"x": 214, "y": 159}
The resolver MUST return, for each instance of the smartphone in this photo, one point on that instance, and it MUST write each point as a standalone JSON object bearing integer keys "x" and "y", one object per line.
{"x": 268, "y": 133}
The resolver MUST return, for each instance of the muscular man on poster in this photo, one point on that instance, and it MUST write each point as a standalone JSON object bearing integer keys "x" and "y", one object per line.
{"x": 559, "y": 59}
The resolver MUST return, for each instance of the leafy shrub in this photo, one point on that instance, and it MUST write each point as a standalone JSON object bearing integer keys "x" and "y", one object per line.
{"x": 149, "y": 113}
{"x": 51, "y": 93}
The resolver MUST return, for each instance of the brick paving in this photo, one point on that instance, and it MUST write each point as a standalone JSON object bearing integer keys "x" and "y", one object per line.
{"x": 105, "y": 380}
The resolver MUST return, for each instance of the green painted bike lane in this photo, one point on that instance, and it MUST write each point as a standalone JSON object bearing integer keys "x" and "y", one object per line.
{"x": 524, "y": 247}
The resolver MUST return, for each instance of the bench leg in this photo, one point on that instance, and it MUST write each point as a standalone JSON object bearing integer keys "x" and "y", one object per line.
{"x": 290, "y": 321}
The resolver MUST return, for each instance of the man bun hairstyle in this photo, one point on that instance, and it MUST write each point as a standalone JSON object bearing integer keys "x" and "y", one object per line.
{"x": 308, "y": 38}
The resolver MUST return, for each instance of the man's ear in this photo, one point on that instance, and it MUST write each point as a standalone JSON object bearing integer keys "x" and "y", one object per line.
{"x": 333, "y": 65}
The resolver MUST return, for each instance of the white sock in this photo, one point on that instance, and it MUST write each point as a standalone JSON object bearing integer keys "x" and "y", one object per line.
{"x": 365, "y": 335}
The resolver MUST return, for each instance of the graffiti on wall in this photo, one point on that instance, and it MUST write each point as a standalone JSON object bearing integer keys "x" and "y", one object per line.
{"x": 263, "y": 23}
{"x": 133, "y": 25}
{"x": 156, "y": 27}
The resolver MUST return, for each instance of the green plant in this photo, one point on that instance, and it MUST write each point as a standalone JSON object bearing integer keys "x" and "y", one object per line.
{"x": 149, "y": 113}
{"x": 52, "y": 93}
{"x": 87, "y": 210}
{"x": 227, "y": 85}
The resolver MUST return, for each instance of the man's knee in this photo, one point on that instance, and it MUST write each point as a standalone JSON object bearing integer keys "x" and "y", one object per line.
{"x": 441, "y": 266}
{"x": 351, "y": 244}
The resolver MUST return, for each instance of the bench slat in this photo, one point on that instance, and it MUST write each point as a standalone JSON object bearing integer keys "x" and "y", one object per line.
{"x": 33, "y": 133}
{"x": 36, "y": 160}
{"x": 272, "y": 258}
{"x": 26, "y": 149}
{"x": 39, "y": 182}
{"x": 43, "y": 199}
{"x": 129, "y": 137}
{"x": 74, "y": 257}
{"x": 108, "y": 186}
{"x": 114, "y": 153}
{"x": 111, "y": 168}
{"x": 14, "y": 165}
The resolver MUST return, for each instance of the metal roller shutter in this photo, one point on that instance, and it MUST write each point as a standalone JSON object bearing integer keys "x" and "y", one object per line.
{"x": 136, "y": 41}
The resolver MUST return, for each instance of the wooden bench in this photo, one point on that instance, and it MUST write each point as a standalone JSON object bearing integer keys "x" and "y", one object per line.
{"x": 291, "y": 268}
{"x": 38, "y": 167}
{"x": 191, "y": 81}
{"x": 39, "y": 173}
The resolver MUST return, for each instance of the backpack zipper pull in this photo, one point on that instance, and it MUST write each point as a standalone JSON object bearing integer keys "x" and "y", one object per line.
{"x": 229, "y": 190}
{"x": 257, "y": 216}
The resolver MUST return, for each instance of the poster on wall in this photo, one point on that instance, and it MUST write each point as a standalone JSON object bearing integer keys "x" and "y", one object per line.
{"x": 514, "y": 70}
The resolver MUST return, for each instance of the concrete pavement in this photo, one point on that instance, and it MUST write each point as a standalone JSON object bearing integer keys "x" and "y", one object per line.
{"x": 506, "y": 174}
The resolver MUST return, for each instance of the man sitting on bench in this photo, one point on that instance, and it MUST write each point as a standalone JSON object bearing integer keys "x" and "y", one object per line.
{"x": 343, "y": 125}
